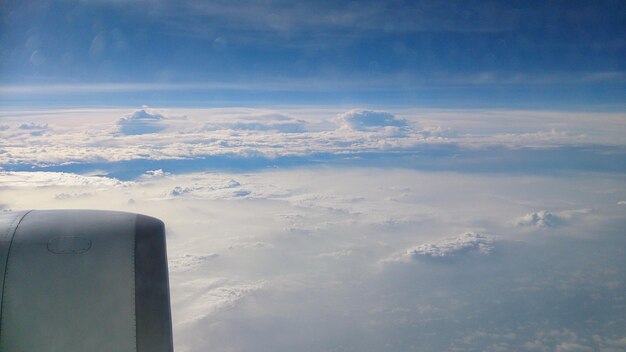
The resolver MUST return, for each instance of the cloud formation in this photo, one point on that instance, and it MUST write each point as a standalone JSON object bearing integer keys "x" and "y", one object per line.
{"x": 140, "y": 122}
{"x": 99, "y": 136}
{"x": 466, "y": 243}
{"x": 365, "y": 120}
{"x": 312, "y": 243}
{"x": 542, "y": 218}
{"x": 547, "y": 219}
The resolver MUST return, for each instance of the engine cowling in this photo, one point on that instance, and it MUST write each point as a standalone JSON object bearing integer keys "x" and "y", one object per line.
{"x": 83, "y": 280}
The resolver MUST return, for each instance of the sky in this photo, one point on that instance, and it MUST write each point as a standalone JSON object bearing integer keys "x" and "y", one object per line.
{"x": 340, "y": 176}
{"x": 536, "y": 54}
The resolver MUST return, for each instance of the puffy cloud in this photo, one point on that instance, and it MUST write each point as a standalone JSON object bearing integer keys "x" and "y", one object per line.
{"x": 155, "y": 174}
{"x": 542, "y": 218}
{"x": 465, "y": 243}
{"x": 363, "y": 120}
{"x": 141, "y": 122}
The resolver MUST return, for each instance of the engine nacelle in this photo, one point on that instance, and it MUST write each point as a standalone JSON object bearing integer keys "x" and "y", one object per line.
{"x": 83, "y": 280}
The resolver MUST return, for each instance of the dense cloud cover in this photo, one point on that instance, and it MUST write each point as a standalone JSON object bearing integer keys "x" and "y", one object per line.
{"x": 354, "y": 229}
{"x": 368, "y": 259}
{"x": 538, "y": 139}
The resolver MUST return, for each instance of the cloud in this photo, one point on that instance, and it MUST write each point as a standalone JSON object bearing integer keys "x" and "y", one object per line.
{"x": 621, "y": 202}
{"x": 64, "y": 196}
{"x": 261, "y": 123}
{"x": 241, "y": 264}
{"x": 48, "y": 179}
{"x": 542, "y": 218}
{"x": 33, "y": 126}
{"x": 445, "y": 137}
{"x": 468, "y": 242}
{"x": 158, "y": 173}
{"x": 210, "y": 297}
{"x": 141, "y": 122}
{"x": 214, "y": 189}
{"x": 4, "y": 127}
{"x": 364, "y": 120}
{"x": 188, "y": 262}
{"x": 35, "y": 129}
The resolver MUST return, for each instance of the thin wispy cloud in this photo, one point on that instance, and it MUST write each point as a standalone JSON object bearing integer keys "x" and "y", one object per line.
{"x": 393, "y": 52}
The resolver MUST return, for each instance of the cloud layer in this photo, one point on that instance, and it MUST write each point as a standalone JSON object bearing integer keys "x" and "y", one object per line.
{"x": 101, "y": 136}
{"x": 315, "y": 258}
{"x": 298, "y": 259}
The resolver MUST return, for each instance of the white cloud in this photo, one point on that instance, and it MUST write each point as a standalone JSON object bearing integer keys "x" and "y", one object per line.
{"x": 466, "y": 243}
{"x": 250, "y": 251}
{"x": 621, "y": 202}
{"x": 364, "y": 120}
{"x": 242, "y": 264}
{"x": 187, "y": 262}
{"x": 48, "y": 179}
{"x": 96, "y": 136}
{"x": 141, "y": 122}
{"x": 213, "y": 189}
{"x": 542, "y": 218}
{"x": 64, "y": 196}
{"x": 210, "y": 297}
{"x": 155, "y": 174}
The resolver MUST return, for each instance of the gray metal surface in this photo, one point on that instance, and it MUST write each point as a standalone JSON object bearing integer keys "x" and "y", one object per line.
{"x": 70, "y": 283}
{"x": 8, "y": 224}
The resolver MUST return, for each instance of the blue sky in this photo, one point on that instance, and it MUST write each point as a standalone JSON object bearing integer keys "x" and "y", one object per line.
{"x": 555, "y": 55}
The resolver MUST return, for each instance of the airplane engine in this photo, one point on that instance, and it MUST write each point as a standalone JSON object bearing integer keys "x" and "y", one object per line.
{"x": 83, "y": 280}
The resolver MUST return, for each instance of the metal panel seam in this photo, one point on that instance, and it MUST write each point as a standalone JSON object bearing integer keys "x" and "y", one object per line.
{"x": 6, "y": 265}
